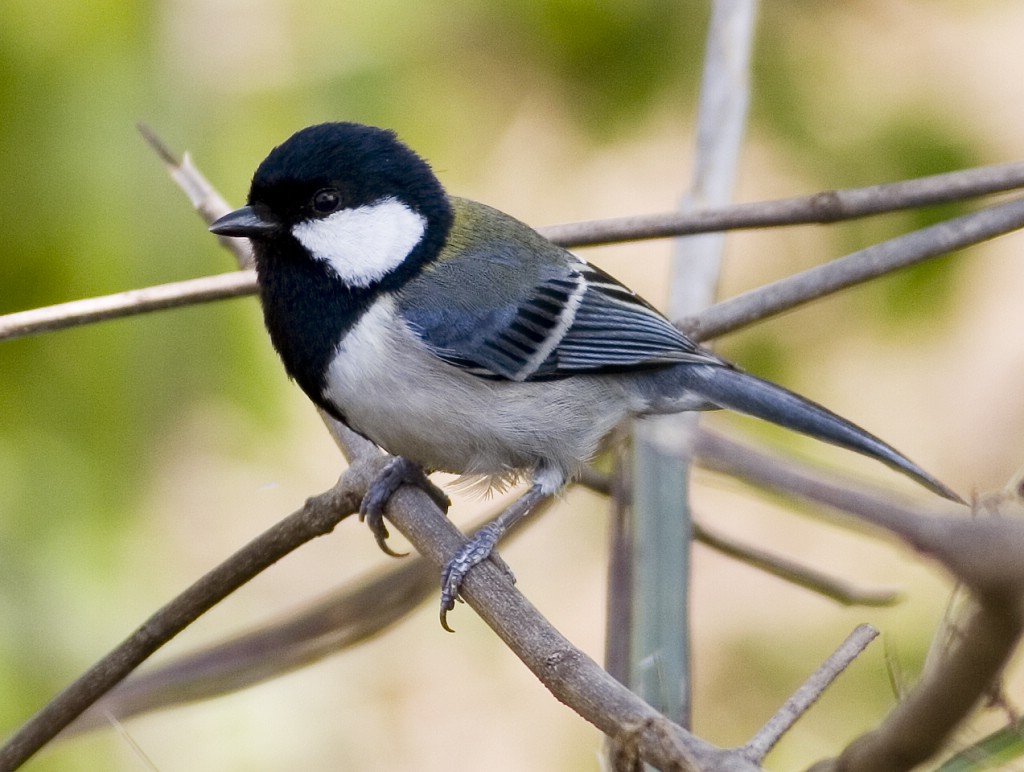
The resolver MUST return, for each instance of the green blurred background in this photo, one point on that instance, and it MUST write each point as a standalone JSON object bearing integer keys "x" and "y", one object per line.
{"x": 136, "y": 454}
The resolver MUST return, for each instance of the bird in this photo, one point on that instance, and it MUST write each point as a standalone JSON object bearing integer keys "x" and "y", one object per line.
{"x": 459, "y": 339}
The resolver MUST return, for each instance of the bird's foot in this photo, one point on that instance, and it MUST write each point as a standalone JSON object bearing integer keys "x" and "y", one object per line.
{"x": 398, "y": 472}
{"x": 481, "y": 546}
{"x": 477, "y": 549}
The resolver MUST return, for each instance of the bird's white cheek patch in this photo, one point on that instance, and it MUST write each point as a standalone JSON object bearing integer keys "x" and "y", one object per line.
{"x": 362, "y": 245}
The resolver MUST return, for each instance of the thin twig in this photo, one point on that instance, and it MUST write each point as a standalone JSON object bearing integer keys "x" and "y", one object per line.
{"x": 930, "y": 714}
{"x": 131, "y": 303}
{"x": 856, "y": 268}
{"x": 210, "y": 205}
{"x": 782, "y": 568}
{"x": 205, "y": 199}
{"x": 342, "y": 619}
{"x": 983, "y": 553}
{"x": 825, "y": 207}
{"x": 792, "y": 572}
{"x": 621, "y": 549}
{"x": 809, "y": 693}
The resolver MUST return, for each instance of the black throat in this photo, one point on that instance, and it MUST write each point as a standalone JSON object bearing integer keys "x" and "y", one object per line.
{"x": 308, "y": 309}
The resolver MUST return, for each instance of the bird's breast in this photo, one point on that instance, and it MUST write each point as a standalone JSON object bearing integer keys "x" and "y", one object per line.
{"x": 394, "y": 390}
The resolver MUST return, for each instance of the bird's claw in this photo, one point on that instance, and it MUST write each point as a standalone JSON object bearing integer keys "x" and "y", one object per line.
{"x": 397, "y": 473}
{"x": 477, "y": 549}
{"x": 374, "y": 519}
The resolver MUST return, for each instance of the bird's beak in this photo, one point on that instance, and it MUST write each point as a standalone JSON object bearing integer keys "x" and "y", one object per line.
{"x": 245, "y": 223}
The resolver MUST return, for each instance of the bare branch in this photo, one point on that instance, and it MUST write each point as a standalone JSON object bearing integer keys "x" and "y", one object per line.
{"x": 922, "y": 723}
{"x": 617, "y": 640}
{"x": 782, "y": 568}
{"x": 809, "y": 693}
{"x": 856, "y": 268}
{"x": 794, "y": 573}
{"x": 357, "y": 612}
{"x": 727, "y": 316}
{"x": 825, "y": 207}
{"x": 318, "y": 517}
{"x": 210, "y": 205}
{"x": 776, "y": 565}
{"x": 983, "y": 553}
{"x": 204, "y": 197}
{"x": 342, "y": 619}
{"x": 140, "y": 301}
{"x": 573, "y": 677}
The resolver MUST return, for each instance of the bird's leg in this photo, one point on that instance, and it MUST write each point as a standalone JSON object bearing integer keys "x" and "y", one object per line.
{"x": 481, "y": 545}
{"x": 398, "y": 472}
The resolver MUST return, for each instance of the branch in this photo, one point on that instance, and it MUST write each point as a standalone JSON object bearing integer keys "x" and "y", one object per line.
{"x": 354, "y": 613}
{"x": 856, "y": 268}
{"x": 923, "y": 723}
{"x": 825, "y": 207}
{"x": 794, "y": 573}
{"x": 782, "y": 568}
{"x": 318, "y": 517}
{"x": 210, "y": 205}
{"x": 177, "y": 294}
{"x": 573, "y": 678}
{"x": 205, "y": 199}
{"x": 809, "y": 693}
{"x": 982, "y": 553}
{"x": 344, "y": 618}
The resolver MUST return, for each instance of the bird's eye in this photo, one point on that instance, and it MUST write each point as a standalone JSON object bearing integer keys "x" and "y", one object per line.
{"x": 326, "y": 201}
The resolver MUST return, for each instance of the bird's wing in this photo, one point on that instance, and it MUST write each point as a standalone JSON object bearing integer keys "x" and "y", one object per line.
{"x": 530, "y": 310}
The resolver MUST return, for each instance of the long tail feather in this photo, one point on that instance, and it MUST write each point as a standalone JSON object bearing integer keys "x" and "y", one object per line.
{"x": 743, "y": 393}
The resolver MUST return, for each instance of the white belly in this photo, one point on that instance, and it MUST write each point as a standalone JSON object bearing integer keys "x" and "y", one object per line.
{"x": 390, "y": 388}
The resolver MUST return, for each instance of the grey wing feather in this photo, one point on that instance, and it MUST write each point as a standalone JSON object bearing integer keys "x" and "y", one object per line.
{"x": 615, "y": 329}
{"x": 520, "y": 308}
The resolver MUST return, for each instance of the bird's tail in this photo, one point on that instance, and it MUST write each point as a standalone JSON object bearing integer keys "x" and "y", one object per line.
{"x": 743, "y": 393}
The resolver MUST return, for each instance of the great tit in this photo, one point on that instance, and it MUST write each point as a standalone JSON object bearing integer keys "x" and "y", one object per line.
{"x": 460, "y": 339}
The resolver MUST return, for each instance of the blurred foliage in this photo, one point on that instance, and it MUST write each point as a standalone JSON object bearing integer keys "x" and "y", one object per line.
{"x": 1001, "y": 750}
{"x": 86, "y": 209}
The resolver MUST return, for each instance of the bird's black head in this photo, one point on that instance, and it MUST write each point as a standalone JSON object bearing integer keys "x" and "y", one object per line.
{"x": 351, "y": 196}
{"x": 337, "y": 214}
